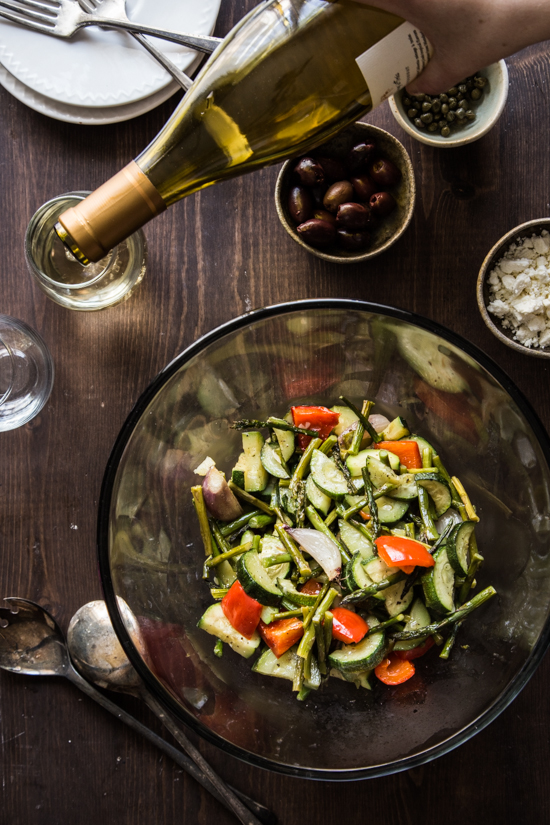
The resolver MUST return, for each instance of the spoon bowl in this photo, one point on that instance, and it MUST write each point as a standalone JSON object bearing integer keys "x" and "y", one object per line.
{"x": 31, "y": 642}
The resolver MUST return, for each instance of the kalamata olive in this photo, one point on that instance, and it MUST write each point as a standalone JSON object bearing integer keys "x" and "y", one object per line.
{"x": 382, "y": 203}
{"x": 334, "y": 169}
{"x": 364, "y": 187}
{"x": 300, "y": 204}
{"x": 360, "y": 155}
{"x": 317, "y": 233}
{"x": 323, "y": 215}
{"x": 352, "y": 216}
{"x": 352, "y": 241}
{"x": 340, "y": 192}
{"x": 384, "y": 172}
{"x": 318, "y": 193}
{"x": 309, "y": 172}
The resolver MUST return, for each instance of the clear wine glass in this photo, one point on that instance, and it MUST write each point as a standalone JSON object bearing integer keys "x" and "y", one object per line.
{"x": 64, "y": 279}
{"x": 26, "y": 373}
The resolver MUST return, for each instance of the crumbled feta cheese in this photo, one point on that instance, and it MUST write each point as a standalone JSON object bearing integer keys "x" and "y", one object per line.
{"x": 204, "y": 466}
{"x": 519, "y": 288}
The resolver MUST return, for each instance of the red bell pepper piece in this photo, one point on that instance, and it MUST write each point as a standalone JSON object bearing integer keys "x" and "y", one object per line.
{"x": 394, "y": 671}
{"x": 241, "y": 610}
{"x": 415, "y": 652}
{"x": 398, "y": 551}
{"x": 408, "y": 452}
{"x": 320, "y": 419}
{"x": 347, "y": 626}
{"x": 281, "y": 635}
{"x": 312, "y": 587}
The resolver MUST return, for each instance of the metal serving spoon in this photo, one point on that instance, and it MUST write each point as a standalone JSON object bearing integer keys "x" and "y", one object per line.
{"x": 32, "y": 643}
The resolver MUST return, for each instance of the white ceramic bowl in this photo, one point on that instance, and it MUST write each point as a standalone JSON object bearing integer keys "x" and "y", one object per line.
{"x": 488, "y": 110}
{"x": 524, "y": 230}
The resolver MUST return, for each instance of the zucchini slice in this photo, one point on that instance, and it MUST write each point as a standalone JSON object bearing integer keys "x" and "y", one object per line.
{"x": 320, "y": 500}
{"x": 347, "y": 418}
{"x": 358, "y": 678}
{"x": 356, "y": 575}
{"x": 396, "y": 429}
{"x": 272, "y": 460}
{"x": 354, "y": 540}
{"x": 458, "y": 547}
{"x": 271, "y": 546}
{"x": 364, "y": 655}
{"x": 438, "y": 490}
{"x": 395, "y": 604}
{"x": 286, "y": 442}
{"x": 438, "y": 584}
{"x": 419, "y": 618}
{"x": 326, "y": 475}
{"x": 285, "y": 666}
{"x": 290, "y": 592}
{"x": 355, "y": 463}
{"x": 249, "y": 472}
{"x": 379, "y": 571}
{"x": 215, "y": 622}
{"x": 256, "y": 581}
{"x": 391, "y": 510}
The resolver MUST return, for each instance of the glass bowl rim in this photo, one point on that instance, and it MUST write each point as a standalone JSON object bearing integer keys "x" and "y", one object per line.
{"x": 509, "y": 693}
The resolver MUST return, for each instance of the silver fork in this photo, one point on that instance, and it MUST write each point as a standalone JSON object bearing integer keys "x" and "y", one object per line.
{"x": 63, "y": 18}
{"x": 119, "y": 6}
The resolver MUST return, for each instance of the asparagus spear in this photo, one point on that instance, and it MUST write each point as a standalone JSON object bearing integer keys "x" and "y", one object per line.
{"x": 456, "y": 616}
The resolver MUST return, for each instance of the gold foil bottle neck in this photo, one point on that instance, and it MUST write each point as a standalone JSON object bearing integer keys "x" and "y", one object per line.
{"x": 110, "y": 214}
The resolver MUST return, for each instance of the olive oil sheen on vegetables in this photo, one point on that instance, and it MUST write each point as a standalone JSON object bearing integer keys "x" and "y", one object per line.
{"x": 290, "y": 75}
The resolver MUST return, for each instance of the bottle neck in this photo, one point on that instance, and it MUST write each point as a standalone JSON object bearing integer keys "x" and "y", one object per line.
{"x": 110, "y": 214}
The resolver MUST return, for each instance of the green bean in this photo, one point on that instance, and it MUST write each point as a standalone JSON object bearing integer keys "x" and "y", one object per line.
{"x": 234, "y": 526}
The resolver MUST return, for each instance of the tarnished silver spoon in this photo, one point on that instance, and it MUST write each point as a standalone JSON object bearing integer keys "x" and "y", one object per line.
{"x": 32, "y": 643}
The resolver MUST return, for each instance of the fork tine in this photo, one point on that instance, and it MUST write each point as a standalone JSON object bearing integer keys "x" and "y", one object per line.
{"x": 26, "y": 16}
{"x": 25, "y": 21}
{"x": 32, "y": 7}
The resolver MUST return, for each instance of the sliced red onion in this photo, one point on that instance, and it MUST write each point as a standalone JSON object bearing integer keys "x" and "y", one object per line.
{"x": 451, "y": 516}
{"x": 379, "y": 422}
{"x": 320, "y": 547}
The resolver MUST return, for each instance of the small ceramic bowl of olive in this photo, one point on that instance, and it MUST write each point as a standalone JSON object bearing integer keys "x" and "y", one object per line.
{"x": 462, "y": 115}
{"x": 349, "y": 199}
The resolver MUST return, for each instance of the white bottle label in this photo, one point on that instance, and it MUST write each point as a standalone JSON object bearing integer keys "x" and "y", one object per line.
{"x": 394, "y": 61}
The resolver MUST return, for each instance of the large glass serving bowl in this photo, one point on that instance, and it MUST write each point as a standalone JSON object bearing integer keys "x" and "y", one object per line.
{"x": 151, "y": 554}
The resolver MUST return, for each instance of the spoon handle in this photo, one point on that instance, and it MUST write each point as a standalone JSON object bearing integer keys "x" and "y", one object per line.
{"x": 263, "y": 815}
{"x": 231, "y": 801}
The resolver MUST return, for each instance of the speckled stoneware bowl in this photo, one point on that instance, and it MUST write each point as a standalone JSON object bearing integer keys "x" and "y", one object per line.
{"x": 524, "y": 230}
{"x": 488, "y": 110}
{"x": 391, "y": 228}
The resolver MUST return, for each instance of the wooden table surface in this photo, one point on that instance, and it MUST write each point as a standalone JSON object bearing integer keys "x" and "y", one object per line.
{"x": 64, "y": 760}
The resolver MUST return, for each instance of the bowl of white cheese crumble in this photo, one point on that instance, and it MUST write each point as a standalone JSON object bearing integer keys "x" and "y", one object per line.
{"x": 513, "y": 288}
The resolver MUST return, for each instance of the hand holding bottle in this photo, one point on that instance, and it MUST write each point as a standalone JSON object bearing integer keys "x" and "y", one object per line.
{"x": 469, "y": 34}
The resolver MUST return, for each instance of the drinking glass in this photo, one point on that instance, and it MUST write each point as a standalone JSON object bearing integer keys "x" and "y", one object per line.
{"x": 26, "y": 373}
{"x": 64, "y": 279}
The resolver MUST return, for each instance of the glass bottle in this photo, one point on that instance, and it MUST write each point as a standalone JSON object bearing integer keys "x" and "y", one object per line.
{"x": 289, "y": 76}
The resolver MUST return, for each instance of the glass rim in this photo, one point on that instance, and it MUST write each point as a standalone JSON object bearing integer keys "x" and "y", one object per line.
{"x": 32, "y": 226}
{"x": 447, "y": 744}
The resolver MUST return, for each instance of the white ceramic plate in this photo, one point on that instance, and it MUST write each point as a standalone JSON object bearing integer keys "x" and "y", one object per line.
{"x": 94, "y": 116}
{"x": 98, "y": 68}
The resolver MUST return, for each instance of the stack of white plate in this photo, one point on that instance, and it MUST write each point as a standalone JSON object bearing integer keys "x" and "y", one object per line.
{"x": 101, "y": 76}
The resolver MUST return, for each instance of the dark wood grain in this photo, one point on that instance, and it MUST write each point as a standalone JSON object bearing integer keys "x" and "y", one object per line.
{"x": 63, "y": 760}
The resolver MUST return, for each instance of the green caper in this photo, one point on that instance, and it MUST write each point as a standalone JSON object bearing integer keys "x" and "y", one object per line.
{"x": 433, "y": 127}
{"x": 453, "y": 91}
{"x": 480, "y": 81}
{"x": 407, "y": 102}
{"x": 426, "y": 106}
{"x": 412, "y": 113}
{"x": 419, "y": 97}
{"x": 450, "y": 116}
{"x": 453, "y": 103}
{"x": 460, "y": 113}
{"x": 445, "y": 132}
{"x": 436, "y": 106}
{"x": 444, "y": 98}
{"x": 418, "y": 123}
{"x": 444, "y": 108}
{"x": 475, "y": 94}
{"x": 463, "y": 88}
{"x": 427, "y": 117}
{"x": 470, "y": 114}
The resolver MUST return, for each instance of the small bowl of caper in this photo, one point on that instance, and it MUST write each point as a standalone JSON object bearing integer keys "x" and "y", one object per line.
{"x": 461, "y": 115}
{"x": 349, "y": 199}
